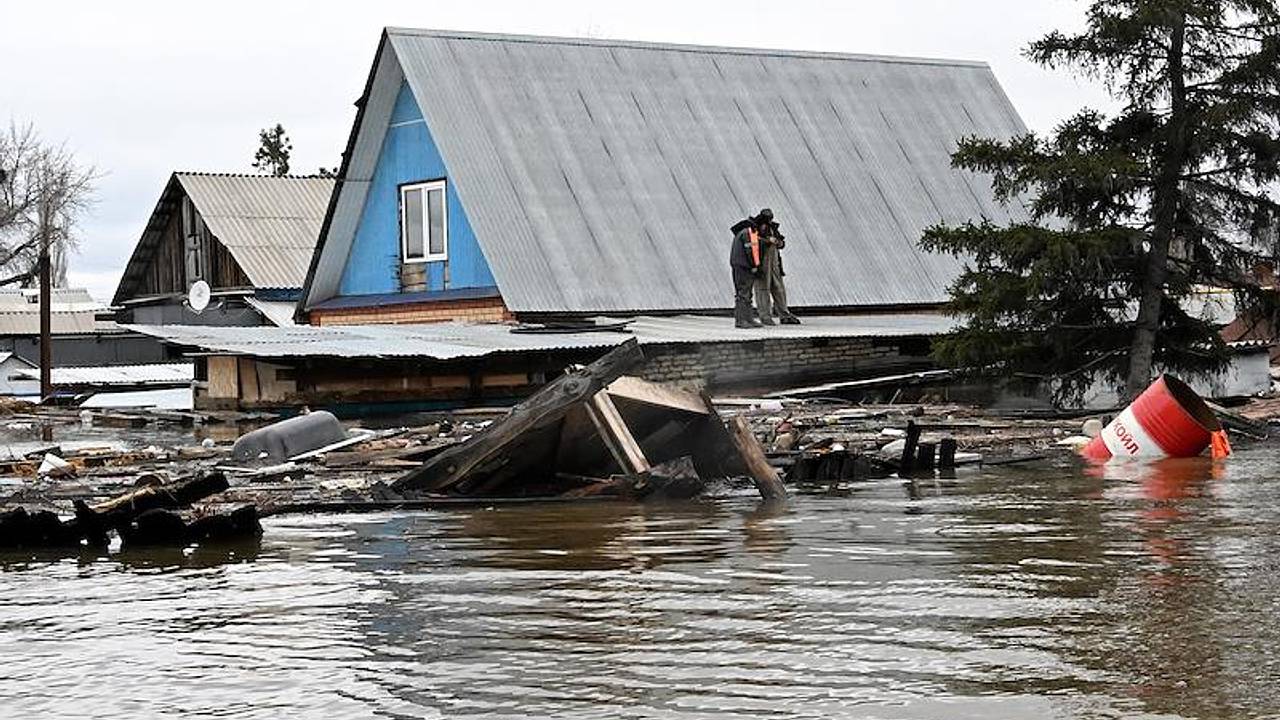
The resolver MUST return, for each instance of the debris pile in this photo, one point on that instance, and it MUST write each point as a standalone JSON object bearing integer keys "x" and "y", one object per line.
{"x": 596, "y": 432}
{"x": 146, "y": 516}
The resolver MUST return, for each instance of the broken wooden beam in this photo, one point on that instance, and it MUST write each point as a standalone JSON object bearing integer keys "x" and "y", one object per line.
{"x": 615, "y": 434}
{"x": 753, "y": 457}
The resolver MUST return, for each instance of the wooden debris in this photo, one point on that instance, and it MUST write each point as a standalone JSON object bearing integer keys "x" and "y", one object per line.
{"x": 597, "y": 423}
{"x": 20, "y": 529}
{"x": 947, "y": 454}
{"x": 758, "y": 467}
{"x": 534, "y": 422}
{"x": 1238, "y": 423}
{"x": 616, "y": 435}
{"x": 906, "y": 465}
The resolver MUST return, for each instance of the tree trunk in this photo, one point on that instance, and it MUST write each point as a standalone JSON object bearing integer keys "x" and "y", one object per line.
{"x": 1166, "y": 195}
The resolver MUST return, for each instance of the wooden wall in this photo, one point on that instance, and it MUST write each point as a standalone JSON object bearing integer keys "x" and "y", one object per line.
{"x": 167, "y": 272}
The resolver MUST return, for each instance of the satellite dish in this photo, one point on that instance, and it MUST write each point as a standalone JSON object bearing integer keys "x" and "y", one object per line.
{"x": 198, "y": 296}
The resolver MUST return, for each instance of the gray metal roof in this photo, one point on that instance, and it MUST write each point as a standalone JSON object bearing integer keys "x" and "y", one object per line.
{"x": 72, "y": 311}
{"x": 152, "y": 374}
{"x": 602, "y": 176}
{"x": 447, "y": 341}
{"x": 268, "y": 224}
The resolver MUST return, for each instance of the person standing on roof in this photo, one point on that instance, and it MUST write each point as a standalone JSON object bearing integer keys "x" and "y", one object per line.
{"x": 771, "y": 293}
{"x": 744, "y": 261}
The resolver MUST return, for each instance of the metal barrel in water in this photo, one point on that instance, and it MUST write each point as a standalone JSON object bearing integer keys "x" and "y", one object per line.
{"x": 1167, "y": 420}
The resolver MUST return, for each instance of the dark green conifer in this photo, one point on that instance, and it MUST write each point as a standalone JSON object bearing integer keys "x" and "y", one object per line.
{"x": 1132, "y": 212}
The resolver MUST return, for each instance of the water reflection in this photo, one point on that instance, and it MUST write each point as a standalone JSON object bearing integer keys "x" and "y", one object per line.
{"x": 594, "y": 536}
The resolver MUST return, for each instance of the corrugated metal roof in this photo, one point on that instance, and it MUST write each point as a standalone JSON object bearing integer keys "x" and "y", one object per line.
{"x": 163, "y": 399}
{"x": 268, "y": 224}
{"x": 72, "y": 311}
{"x": 154, "y": 374}
{"x": 64, "y": 300}
{"x": 602, "y": 176}
{"x": 446, "y": 341}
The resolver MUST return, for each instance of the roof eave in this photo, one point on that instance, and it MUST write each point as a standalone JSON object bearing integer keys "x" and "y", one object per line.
{"x": 139, "y": 257}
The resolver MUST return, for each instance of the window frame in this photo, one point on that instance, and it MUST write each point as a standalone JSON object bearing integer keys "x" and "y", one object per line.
{"x": 425, "y": 186}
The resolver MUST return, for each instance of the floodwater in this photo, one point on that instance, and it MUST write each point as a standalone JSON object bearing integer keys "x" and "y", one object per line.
{"x": 1046, "y": 592}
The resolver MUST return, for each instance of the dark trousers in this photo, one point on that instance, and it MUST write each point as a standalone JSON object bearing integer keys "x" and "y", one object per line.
{"x": 743, "y": 283}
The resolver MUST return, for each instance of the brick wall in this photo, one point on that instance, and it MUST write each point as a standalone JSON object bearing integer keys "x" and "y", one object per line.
{"x": 477, "y": 310}
{"x": 782, "y": 360}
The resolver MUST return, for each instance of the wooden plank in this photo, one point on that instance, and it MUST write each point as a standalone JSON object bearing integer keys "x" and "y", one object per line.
{"x": 224, "y": 377}
{"x": 615, "y": 434}
{"x": 544, "y": 408}
{"x": 249, "y": 389}
{"x": 758, "y": 467}
{"x": 643, "y": 391}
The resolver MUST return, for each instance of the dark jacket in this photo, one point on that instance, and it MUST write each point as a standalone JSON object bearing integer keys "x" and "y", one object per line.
{"x": 740, "y": 251}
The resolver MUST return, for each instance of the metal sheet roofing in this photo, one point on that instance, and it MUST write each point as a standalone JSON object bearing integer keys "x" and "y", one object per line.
{"x": 447, "y": 341}
{"x": 72, "y": 311}
{"x": 163, "y": 399}
{"x": 268, "y": 224}
{"x": 602, "y": 176}
{"x": 154, "y": 374}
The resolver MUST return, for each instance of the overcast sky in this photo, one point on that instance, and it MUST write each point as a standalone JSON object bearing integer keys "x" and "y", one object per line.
{"x": 139, "y": 89}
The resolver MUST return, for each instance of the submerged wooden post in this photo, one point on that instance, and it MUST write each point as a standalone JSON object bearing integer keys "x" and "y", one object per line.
{"x": 907, "y": 464}
{"x": 758, "y": 467}
{"x": 925, "y": 457}
{"x": 947, "y": 454}
{"x": 615, "y": 434}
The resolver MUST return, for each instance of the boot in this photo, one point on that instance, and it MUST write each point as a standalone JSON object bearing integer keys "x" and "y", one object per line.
{"x": 747, "y": 323}
{"x": 790, "y": 320}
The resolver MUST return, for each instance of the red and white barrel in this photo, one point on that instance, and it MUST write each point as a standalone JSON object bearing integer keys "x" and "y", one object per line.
{"x": 1167, "y": 420}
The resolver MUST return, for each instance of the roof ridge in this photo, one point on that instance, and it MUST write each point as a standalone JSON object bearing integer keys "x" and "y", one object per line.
{"x": 205, "y": 173}
{"x": 678, "y": 47}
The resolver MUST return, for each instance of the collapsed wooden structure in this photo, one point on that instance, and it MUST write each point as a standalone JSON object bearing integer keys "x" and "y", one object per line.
{"x": 597, "y": 431}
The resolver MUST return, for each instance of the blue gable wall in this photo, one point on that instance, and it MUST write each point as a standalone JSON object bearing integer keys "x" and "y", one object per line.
{"x": 408, "y": 154}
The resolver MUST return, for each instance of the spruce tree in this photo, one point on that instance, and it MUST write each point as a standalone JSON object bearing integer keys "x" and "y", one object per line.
{"x": 1131, "y": 212}
{"x": 274, "y": 148}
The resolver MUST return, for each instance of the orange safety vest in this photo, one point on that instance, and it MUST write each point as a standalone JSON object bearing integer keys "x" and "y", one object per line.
{"x": 755, "y": 246}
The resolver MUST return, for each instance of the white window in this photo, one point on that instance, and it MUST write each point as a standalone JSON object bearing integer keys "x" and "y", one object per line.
{"x": 424, "y": 235}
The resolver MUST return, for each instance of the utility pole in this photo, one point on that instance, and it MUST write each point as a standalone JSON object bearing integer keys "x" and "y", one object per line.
{"x": 46, "y": 309}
